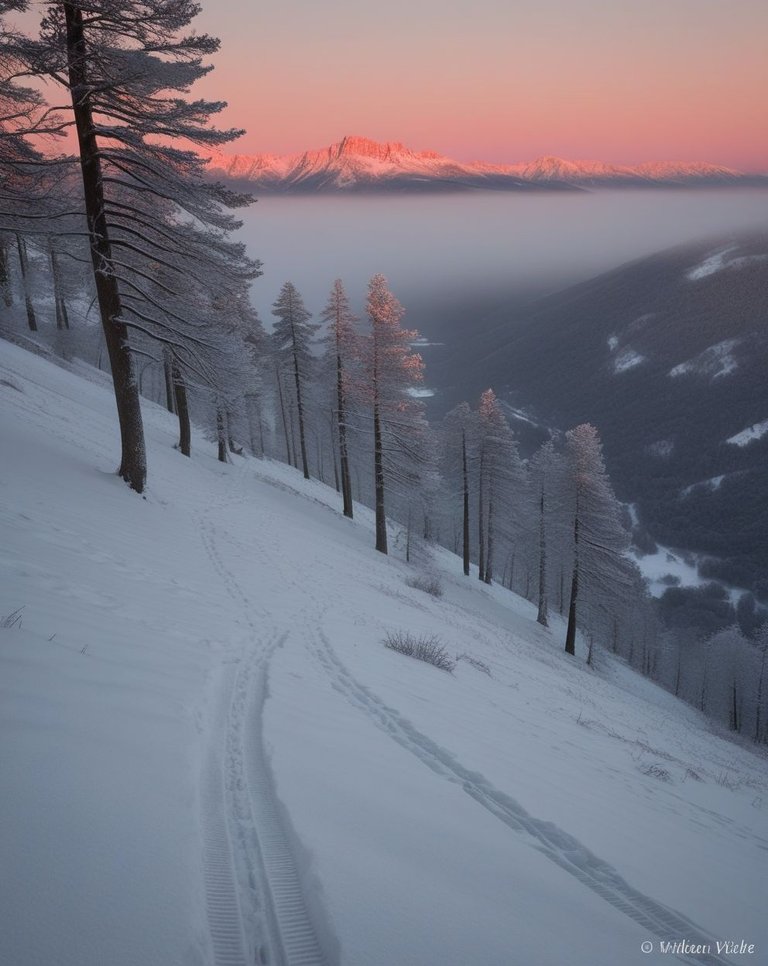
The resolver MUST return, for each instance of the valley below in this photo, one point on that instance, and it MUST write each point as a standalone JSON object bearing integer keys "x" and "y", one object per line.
{"x": 612, "y": 307}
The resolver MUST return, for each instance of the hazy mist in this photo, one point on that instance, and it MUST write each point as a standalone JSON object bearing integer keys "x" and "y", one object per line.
{"x": 442, "y": 251}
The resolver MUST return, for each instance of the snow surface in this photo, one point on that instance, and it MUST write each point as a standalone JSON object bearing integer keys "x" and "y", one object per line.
{"x": 627, "y": 359}
{"x": 208, "y": 756}
{"x": 713, "y": 263}
{"x": 749, "y": 435}
{"x": 713, "y": 483}
{"x": 655, "y": 567}
{"x": 715, "y": 361}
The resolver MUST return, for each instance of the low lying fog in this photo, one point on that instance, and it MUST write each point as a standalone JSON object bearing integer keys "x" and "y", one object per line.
{"x": 495, "y": 246}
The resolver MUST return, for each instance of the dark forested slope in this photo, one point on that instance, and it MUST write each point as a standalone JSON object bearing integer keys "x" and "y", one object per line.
{"x": 668, "y": 357}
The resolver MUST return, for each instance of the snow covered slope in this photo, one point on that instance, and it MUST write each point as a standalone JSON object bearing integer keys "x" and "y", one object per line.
{"x": 208, "y": 756}
{"x": 360, "y": 163}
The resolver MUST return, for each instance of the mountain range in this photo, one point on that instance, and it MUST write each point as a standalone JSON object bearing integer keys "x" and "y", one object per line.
{"x": 360, "y": 164}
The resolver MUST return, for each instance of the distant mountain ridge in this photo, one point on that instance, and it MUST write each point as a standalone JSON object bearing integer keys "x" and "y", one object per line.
{"x": 358, "y": 163}
{"x": 667, "y": 355}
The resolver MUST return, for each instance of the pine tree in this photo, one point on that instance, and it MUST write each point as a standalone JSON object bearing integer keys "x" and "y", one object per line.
{"x": 599, "y": 539}
{"x": 292, "y": 334}
{"x": 499, "y": 481}
{"x": 126, "y": 67}
{"x": 391, "y": 369}
{"x": 545, "y": 470}
{"x": 343, "y": 347}
{"x": 457, "y": 430}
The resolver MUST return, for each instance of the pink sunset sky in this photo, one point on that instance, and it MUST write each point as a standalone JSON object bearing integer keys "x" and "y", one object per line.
{"x": 499, "y": 80}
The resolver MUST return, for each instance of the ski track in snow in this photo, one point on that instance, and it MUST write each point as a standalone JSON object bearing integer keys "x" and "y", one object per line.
{"x": 557, "y": 845}
{"x": 256, "y": 910}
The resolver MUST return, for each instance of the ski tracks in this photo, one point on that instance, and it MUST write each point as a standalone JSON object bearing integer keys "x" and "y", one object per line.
{"x": 256, "y": 910}
{"x": 557, "y": 845}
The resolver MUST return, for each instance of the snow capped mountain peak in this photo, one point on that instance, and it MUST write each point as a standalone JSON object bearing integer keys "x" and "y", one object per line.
{"x": 356, "y": 146}
{"x": 357, "y": 162}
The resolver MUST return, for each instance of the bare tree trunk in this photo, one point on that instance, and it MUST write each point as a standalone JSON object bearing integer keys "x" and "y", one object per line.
{"x": 292, "y": 427}
{"x": 254, "y": 421}
{"x": 378, "y": 467}
{"x": 336, "y": 479}
{"x": 168, "y": 374}
{"x": 319, "y": 456}
{"x": 300, "y": 411}
{"x": 570, "y": 636}
{"x": 760, "y": 694}
{"x": 488, "y": 575}
{"x": 21, "y": 245}
{"x": 480, "y": 524}
{"x": 283, "y": 414}
{"x": 233, "y": 448}
{"x": 182, "y": 409}
{"x": 465, "y": 484}
{"x": 408, "y": 537}
{"x": 542, "y": 616}
{"x": 341, "y": 414}
{"x": 5, "y": 275}
{"x": 221, "y": 435}
{"x": 133, "y": 464}
{"x": 62, "y": 316}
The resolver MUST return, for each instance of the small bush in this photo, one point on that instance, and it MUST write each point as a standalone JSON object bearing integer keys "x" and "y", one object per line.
{"x": 430, "y": 585}
{"x": 725, "y": 780}
{"x": 425, "y": 648}
{"x": 475, "y": 662}
{"x": 12, "y": 620}
{"x": 655, "y": 770}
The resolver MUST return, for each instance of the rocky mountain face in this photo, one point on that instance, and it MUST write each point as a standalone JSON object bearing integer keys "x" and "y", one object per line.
{"x": 358, "y": 163}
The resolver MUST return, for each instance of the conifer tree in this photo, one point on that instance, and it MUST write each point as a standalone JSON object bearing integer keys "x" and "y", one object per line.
{"x": 343, "y": 347}
{"x": 391, "y": 369}
{"x": 544, "y": 473}
{"x": 499, "y": 480}
{"x": 292, "y": 334}
{"x": 127, "y": 67}
{"x": 599, "y": 539}
{"x": 457, "y": 430}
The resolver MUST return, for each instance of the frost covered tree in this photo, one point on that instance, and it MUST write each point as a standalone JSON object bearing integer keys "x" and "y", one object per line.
{"x": 30, "y": 196}
{"x": 343, "y": 350}
{"x": 545, "y": 475}
{"x": 456, "y": 457}
{"x": 391, "y": 370}
{"x": 598, "y": 537}
{"x": 292, "y": 335}
{"x": 127, "y": 67}
{"x": 499, "y": 481}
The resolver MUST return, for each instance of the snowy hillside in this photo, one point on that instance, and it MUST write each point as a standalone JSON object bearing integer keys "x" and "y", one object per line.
{"x": 360, "y": 163}
{"x": 209, "y": 757}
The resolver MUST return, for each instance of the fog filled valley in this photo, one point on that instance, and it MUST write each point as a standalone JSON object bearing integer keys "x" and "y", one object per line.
{"x": 384, "y": 558}
{"x": 461, "y": 255}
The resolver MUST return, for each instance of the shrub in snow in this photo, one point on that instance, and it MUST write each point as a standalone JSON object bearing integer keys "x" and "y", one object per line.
{"x": 655, "y": 770}
{"x": 12, "y": 620}
{"x": 425, "y": 648}
{"x": 430, "y": 585}
{"x": 475, "y": 662}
